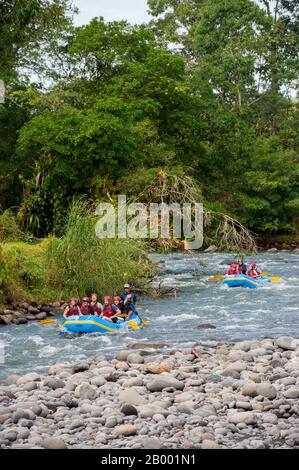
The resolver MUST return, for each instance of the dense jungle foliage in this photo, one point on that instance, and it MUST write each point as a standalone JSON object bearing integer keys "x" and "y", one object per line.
{"x": 206, "y": 89}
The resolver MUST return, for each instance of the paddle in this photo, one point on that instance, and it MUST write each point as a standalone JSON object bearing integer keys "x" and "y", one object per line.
{"x": 275, "y": 279}
{"x": 48, "y": 321}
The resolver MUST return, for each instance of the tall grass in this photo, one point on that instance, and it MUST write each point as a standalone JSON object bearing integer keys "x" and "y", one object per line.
{"x": 80, "y": 263}
{"x": 9, "y": 229}
{"x": 23, "y": 272}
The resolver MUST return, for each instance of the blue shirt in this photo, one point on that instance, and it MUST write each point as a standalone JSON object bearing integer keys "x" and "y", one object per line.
{"x": 133, "y": 297}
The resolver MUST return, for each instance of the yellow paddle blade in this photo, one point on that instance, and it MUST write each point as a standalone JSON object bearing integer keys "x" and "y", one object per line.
{"x": 144, "y": 323}
{"x": 275, "y": 279}
{"x": 47, "y": 322}
{"x": 216, "y": 278}
{"x": 133, "y": 324}
{"x": 265, "y": 274}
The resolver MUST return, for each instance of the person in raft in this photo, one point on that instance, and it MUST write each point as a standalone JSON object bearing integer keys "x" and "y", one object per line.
{"x": 110, "y": 311}
{"x": 95, "y": 307}
{"x": 73, "y": 309}
{"x": 118, "y": 303}
{"x": 253, "y": 271}
{"x": 242, "y": 267}
{"x": 85, "y": 307}
{"x": 128, "y": 295}
{"x": 233, "y": 270}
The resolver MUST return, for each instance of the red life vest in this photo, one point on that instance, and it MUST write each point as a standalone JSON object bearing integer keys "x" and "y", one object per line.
{"x": 252, "y": 273}
{"x": 72, "y": 311}
{"x": 85, "y": 310}
{"x": 96, "y": 309}
{"x": 108, "y": 311}
{"x": 231, "y": 272}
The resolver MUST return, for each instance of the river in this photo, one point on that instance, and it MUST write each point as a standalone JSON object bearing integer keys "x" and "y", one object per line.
{"x": 237, "y": 314}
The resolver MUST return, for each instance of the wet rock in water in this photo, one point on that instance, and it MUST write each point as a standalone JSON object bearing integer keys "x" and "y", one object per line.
{"x": 41, "y": 316}
{"x": 228, "y": 261}
{"x": 206, "y": 326}
{"x": 149, "y": 345}
{"x": 20, "y": 321}
{"x": 33, "y": 310}
{"x": 158, "y": 384}
{"x": 53, "y": 443}
{"x": 211, "y": 249}
{"x": 6, "y": 319}
{"x": 272, "y": 250}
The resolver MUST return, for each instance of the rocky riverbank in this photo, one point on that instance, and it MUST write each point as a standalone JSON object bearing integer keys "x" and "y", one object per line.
{"x": 20, "y": 313}
{"x": 213, "y": 395}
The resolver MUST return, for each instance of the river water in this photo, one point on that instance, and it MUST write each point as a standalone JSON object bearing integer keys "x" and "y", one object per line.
{"x": 237, "y": 314}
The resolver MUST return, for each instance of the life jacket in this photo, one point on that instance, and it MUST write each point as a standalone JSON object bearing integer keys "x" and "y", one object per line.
{"x": 253, "y": 273}
{"x": 95, "y": 309}
{"x": 231, "y": 272}
{"x": 108, "y": 310}
{"x": 85, "y": 310}
{"x": 72, "y": 311}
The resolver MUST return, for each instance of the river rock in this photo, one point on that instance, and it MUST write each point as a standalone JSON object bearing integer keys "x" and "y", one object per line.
{"x": 23, "y": 414}
{"x": 208, "y": 444}
{"x": 129, "y": 410}
{"x": 53, "y": 443}
{"x": 150, "y": 443}
{"x": 33, "y": 310}
{"x": 266, "y": 390}
{"x": 149, "y": 345}
{"x": 135, "y": 358}
{"x": 31, "y": 377}
{"x": 30, "y": 386}
{"x": 125, "y": 430}
{"x": 292, "y": 392}
{"x": 246, "y": 417}
{"x": 85, "y": 392}
{"x": 6, "y": 319}
{"x": 206, "y": 326}
{"x": 80, "y": 367}
{"x": 207, "y": 410}
{"x": 131, "y": 397}
{"x": 211, "y": 249}
{"x": 158, "y": 384}
{"x": 98, "y": 380}
{"x": 287, "y": 343}
{"x": 148, "y": 411}
{"x": 54, "y": 384}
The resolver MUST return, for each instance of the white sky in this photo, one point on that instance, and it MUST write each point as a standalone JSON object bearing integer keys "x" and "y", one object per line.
{"x": 135, "y": 11}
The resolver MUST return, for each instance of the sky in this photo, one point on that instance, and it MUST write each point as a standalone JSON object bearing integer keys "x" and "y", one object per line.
{"x": 135, "y": 11}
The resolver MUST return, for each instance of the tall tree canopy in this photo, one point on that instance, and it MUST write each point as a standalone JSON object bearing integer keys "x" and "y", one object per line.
{"x": 206, "y": 89}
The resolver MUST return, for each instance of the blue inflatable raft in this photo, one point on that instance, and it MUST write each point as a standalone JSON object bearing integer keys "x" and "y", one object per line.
{"x": 92, "y": 324}
{"x": 241, "y": 280}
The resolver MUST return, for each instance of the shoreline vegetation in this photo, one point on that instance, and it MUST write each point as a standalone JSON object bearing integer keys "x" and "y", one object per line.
{"x": 43, "y": 271}
{"x": 213, "y": 395}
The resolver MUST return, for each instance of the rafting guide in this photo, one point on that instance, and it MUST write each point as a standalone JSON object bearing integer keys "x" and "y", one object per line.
{"x": 137, "y": 220}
